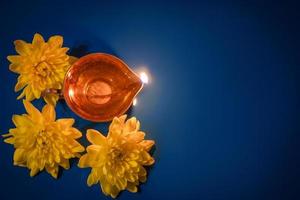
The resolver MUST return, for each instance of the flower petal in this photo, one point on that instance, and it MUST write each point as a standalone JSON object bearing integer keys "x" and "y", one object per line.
{"x": 66, "y": 122}
{"x": 132, "y": 124}
{"x": 38, "y": 40}
{"x": 137, "y": 136}
{"x": 22, "y": 82}
{"x": 15, "y": 68}
{"x": 77, "y": 148}
{"x": 92, "y": 179}
{"x": 22, "y": 47}
{"x": 65, "y": 163}
{"x": 131, "y": 187}
{"x": 19, "y": 156}
{"x": 75, "y": 133}
{"x": 49, "y": 113}
{"x": 106, "y": 187}
{"x": 34, "y": 171}
{"x": 32, "y": 111}
{"x": 114, "y": 191}
{"x": 14, "y": 59}
{"x": 56, "y": 41}
{"x": 123, "y": 118}
{"x": 92, "y": 157}
{"x": 29, "y": 94}
{"x": 83, "y": 161}
{"x": 116, "y": 125}
{"x": 10, "y": 140}
{"x": 147, "y": 144}
{"x": 51, "y": 98}
{"x": 22, "y": 94}
{"x": 36, "y": 92}
{"x": 52, "y": 170}
{"x": 20, "y": 120}
{"x": 95, "y": 137}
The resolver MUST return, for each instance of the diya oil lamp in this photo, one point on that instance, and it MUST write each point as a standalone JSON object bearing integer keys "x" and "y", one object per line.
{"x": 99, "y": 86}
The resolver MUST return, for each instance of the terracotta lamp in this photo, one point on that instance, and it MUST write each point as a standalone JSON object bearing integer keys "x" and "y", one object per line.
{"x": 100, "y": 86}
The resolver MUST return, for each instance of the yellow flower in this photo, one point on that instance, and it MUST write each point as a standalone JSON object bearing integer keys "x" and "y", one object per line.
{"x": 41, "y": 65}
{"x": 117, "y": 160}
{"x": 41, "y": 142}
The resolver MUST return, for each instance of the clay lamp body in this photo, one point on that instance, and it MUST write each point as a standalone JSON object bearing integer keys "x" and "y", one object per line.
{"x": 98, "y": 87}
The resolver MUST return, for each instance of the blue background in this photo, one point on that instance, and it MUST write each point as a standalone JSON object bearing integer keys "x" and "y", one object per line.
{"x": 223, "y": 105}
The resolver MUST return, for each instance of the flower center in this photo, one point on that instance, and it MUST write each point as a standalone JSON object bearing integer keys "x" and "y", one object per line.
{"x": 42, "y": 69}
{"x": 43, "y": 141}
{"x": 116, "y": 154}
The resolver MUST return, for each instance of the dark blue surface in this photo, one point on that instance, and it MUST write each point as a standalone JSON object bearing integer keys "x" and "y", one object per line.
{"x": 223, "y": 106}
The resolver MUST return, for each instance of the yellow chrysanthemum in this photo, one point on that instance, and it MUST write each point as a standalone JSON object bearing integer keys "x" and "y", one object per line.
{"x": 117, "y": 160}
{"x": 41, "y": 142}
{"x": 41, "y": 65}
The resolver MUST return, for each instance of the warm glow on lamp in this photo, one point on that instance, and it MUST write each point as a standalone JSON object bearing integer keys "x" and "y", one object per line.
{"x": 144, "y": 74}
{"x": 144, "y": 77}
{"x": 71, "y": 92}
{"x": 134, "y": 102}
